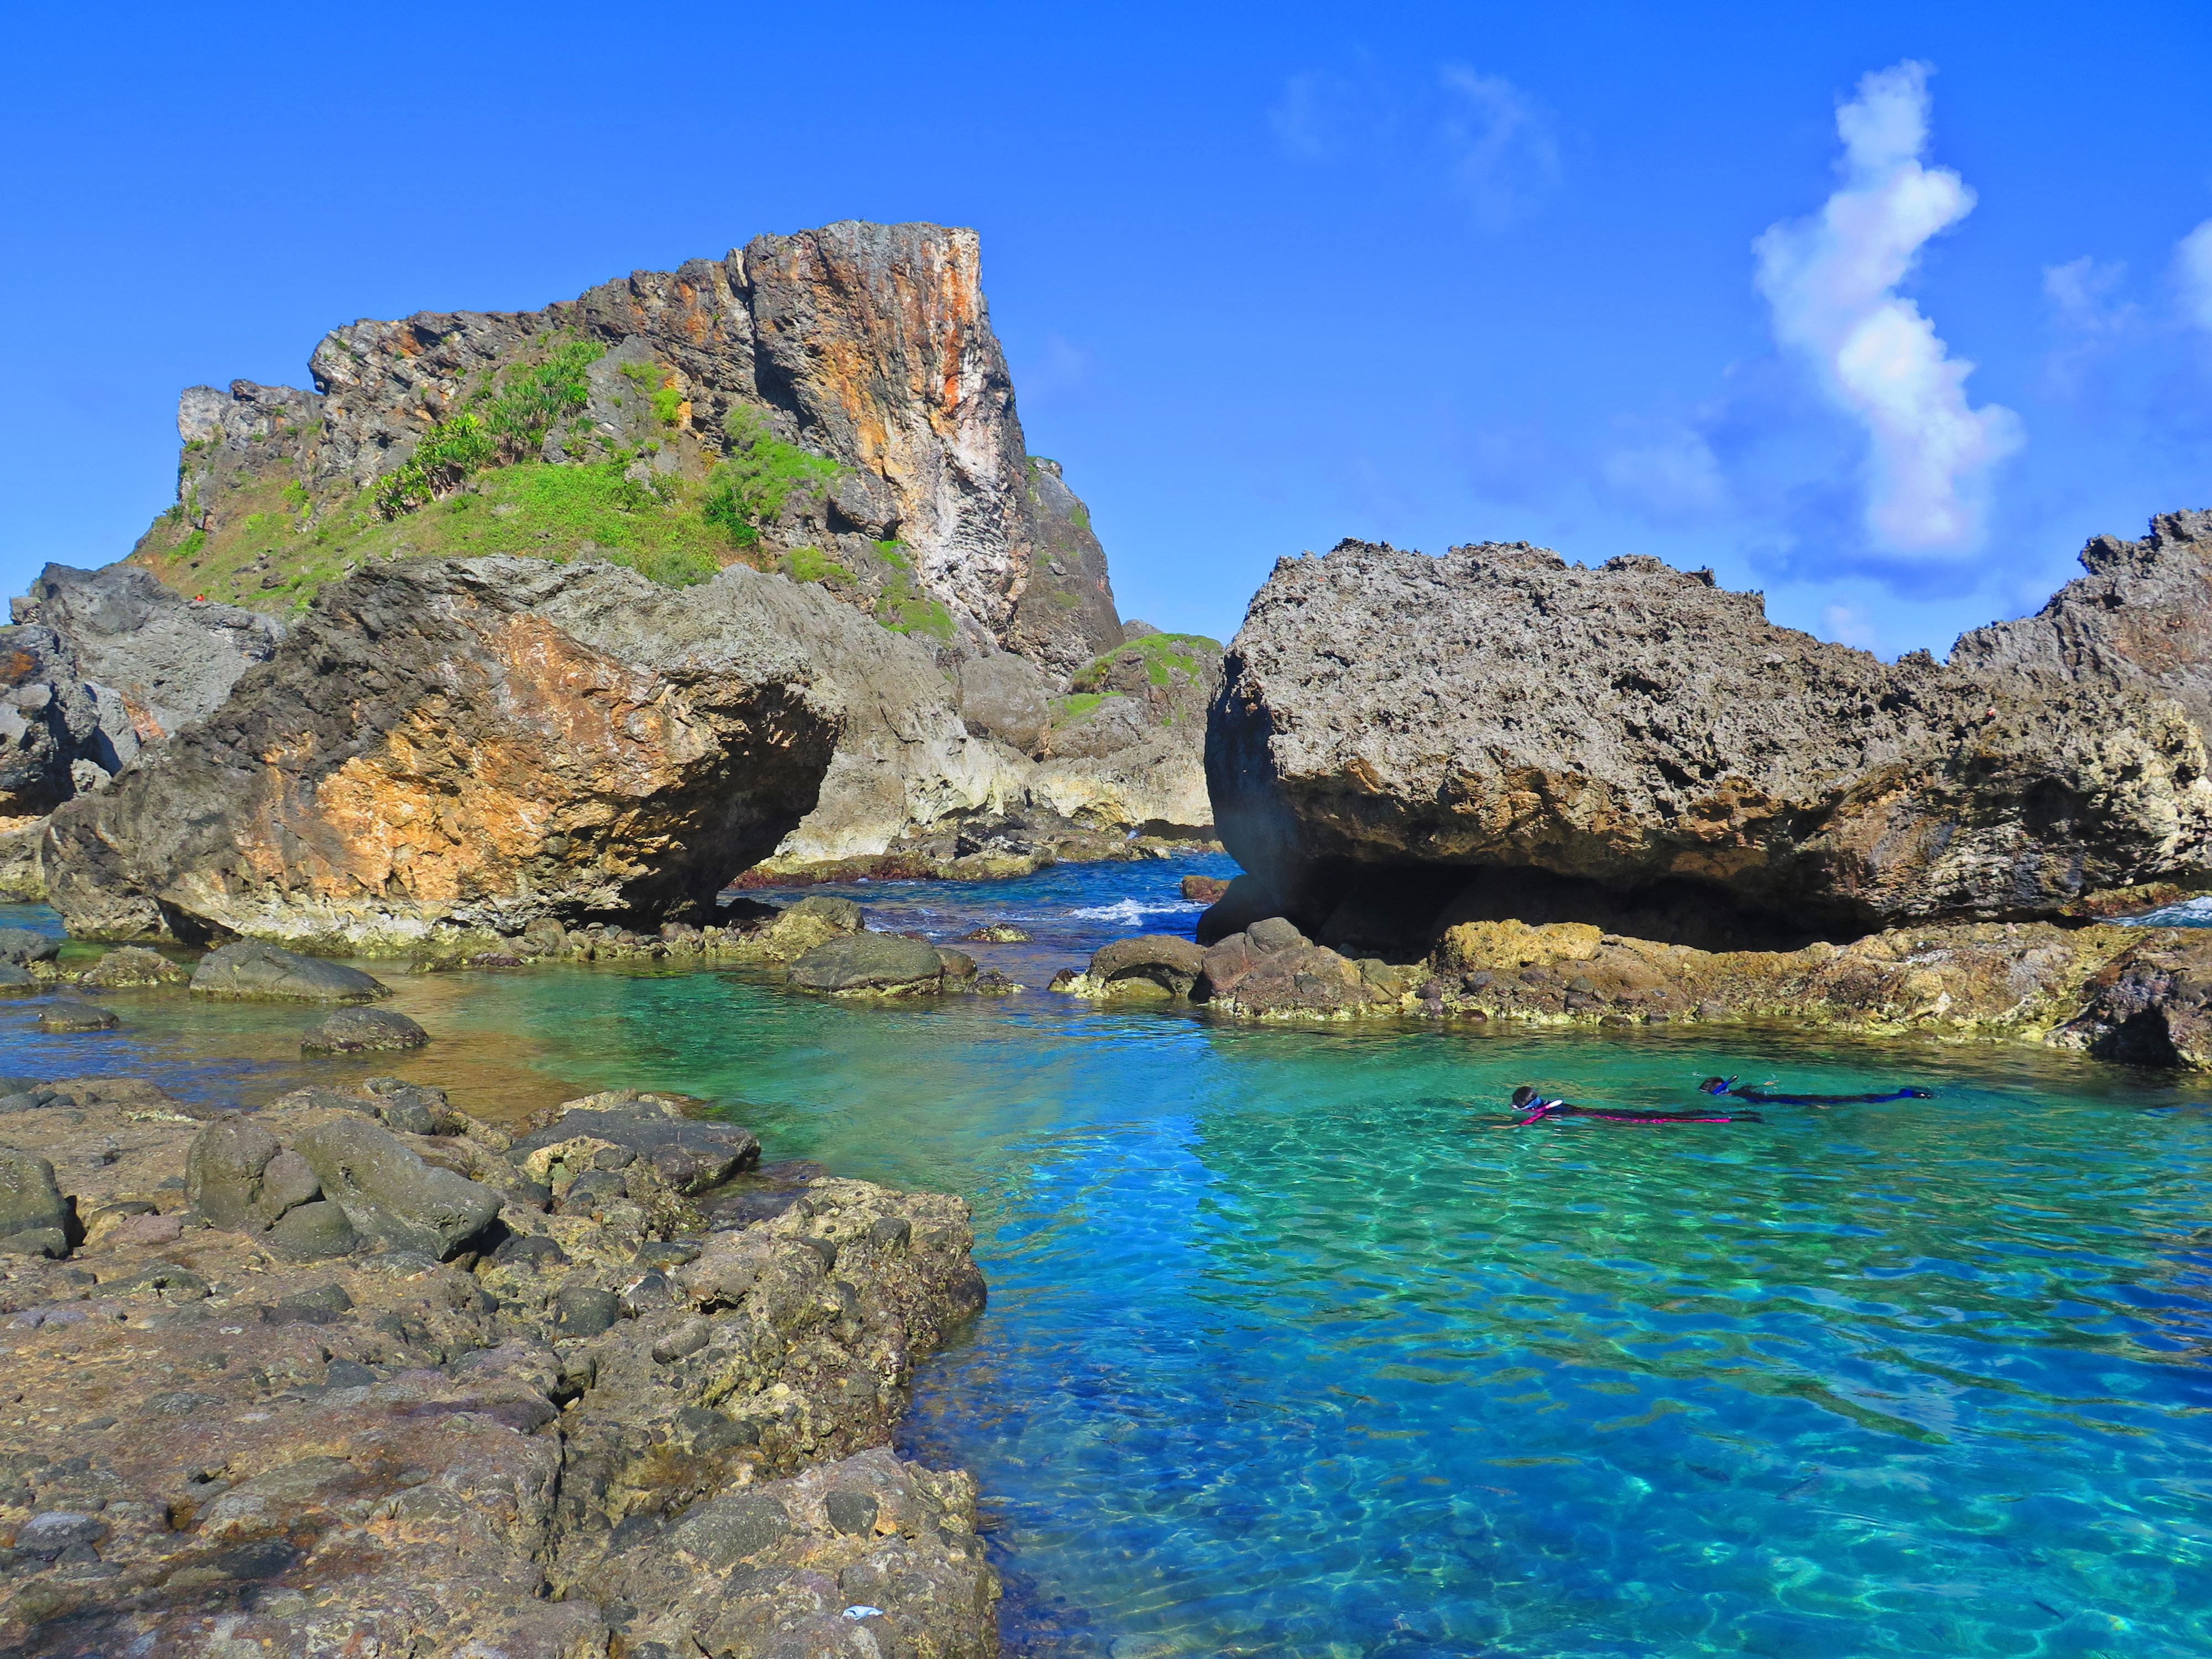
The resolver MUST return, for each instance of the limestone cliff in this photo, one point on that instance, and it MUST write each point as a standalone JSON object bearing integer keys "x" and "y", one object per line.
{"x": 833, "y": 404}
{"x": 1517, "y": 736}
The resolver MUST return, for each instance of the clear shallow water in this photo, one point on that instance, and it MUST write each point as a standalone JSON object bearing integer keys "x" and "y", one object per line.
{"x": 1290, "y": 1353}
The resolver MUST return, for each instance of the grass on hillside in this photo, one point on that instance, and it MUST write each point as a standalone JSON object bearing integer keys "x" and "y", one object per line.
{"x": 1165, "y": 656}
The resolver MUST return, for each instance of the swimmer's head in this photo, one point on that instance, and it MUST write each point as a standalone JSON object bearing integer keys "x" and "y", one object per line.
{"x": 1523, "y": 1095}
{"x": 1716, "y": 1085}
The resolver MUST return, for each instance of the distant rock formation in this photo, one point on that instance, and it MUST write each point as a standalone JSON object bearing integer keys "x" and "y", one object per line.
{"x": 833, "y": 404}
{"x": 1403, "y": 743}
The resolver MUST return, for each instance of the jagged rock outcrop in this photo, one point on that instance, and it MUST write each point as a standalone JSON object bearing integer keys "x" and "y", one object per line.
{"x": 472, "y": 744}
{"x": 611, "y": 1407}
{"x": 867, "y": 347}
{"x": 96, "y": 664}
{"x": 2141, "y": 619}
{"x": 1401, "y": 742}
{"x": 172, "y": 660}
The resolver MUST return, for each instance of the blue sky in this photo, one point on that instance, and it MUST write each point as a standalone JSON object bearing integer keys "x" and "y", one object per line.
{"x": 1609, "y": 278}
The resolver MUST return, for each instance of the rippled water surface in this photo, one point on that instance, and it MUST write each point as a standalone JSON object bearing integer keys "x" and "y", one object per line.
{"x": 1292, "y": 1350}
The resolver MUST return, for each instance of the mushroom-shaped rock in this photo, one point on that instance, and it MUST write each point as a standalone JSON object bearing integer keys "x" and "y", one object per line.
{"x": 480, "y": 742}
{"x": 1171, "y": 963}
{"x": 247, "y": 967}
{"x": 865, "y": 964}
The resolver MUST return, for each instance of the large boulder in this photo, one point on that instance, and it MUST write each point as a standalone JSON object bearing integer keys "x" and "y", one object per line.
{"x": 870, "y": 963}
{"x": 390, "y": 1194}
{"x": 1163, "y": 961}
{"x": 689, "y": 1155}
{"x": 249, "y": 969}
{"x": 2151, "y": 1005}
{"x": 1634, "y": 747}
{"x": 473, "y": 743}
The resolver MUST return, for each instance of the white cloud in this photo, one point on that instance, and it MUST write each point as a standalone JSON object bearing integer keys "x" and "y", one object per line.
{"x": 1503, "y": 154}
{"x": 1476, "y": 136}
{"x": 2193, "y": 268}
{"x": 1830, "y": 281}
{"x": 1304, "y": 116}
{"x": 1671, "y": 478}
{"x": 2081, "y": 297}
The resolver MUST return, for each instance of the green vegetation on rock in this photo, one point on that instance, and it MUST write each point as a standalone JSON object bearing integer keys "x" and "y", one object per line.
{"x": 756, "y": 476}
{"x": 811, "y": 564}
{"x": 504, "y": 423}
{"x": 1165, "y": 655}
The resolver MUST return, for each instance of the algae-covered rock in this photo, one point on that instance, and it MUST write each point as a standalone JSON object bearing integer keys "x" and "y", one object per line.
{"x": 132, "y": 967}
{"x": 359, "y": 1031}
{"x": 879, "y": 964}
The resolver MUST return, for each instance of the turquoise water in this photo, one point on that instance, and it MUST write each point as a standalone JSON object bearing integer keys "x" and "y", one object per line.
{"x": 1291, "y": 1350}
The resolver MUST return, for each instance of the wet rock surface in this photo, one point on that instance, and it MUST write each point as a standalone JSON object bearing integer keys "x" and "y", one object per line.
{"x": 2151, "y": 1005}
{"x": 601, "y": 1424}
{"x": 358, "y": 1030}
{"x": 247, "y": 969}
{"x": 871, "y": 964}
{"x": 1635, "y": 739}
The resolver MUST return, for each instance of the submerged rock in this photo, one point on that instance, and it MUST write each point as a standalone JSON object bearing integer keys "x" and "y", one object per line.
{"x": 872, "y": 963}
{"x": 358, "y": 1030}
{"x": 247, "y": 969}
{"x": 74, "y": 1014}
{"x": 1634, "y": 747}
{"x": 132, "y": 967}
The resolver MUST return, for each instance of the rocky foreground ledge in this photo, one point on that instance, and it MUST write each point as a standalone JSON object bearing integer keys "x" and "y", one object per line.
{"x": 2134, "y": 994}
{"x": 357, "y": 1373}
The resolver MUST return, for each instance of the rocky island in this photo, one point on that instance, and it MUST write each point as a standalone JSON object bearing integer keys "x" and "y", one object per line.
{"x": 829, "y": 411}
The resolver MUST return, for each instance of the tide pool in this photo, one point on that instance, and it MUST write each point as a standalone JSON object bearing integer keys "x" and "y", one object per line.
{"x": 1293, "y": 1350}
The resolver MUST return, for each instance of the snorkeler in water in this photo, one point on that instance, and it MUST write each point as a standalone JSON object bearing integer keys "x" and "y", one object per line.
{"x": 1726, "y": 1086}
{"x": 1535, "y": 1108}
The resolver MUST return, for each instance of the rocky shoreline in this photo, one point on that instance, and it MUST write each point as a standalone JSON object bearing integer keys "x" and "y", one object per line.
{"x": 357, "y": 1367}
{"x": 2138, "y": 995}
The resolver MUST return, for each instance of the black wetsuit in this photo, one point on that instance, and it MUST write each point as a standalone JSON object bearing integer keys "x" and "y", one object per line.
{"x": 1726, "y": 1086}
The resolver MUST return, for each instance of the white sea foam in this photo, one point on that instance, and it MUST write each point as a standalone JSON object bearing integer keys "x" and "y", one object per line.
{"x": 2190, "y": 913}
{"x": 1129, "y": 911}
